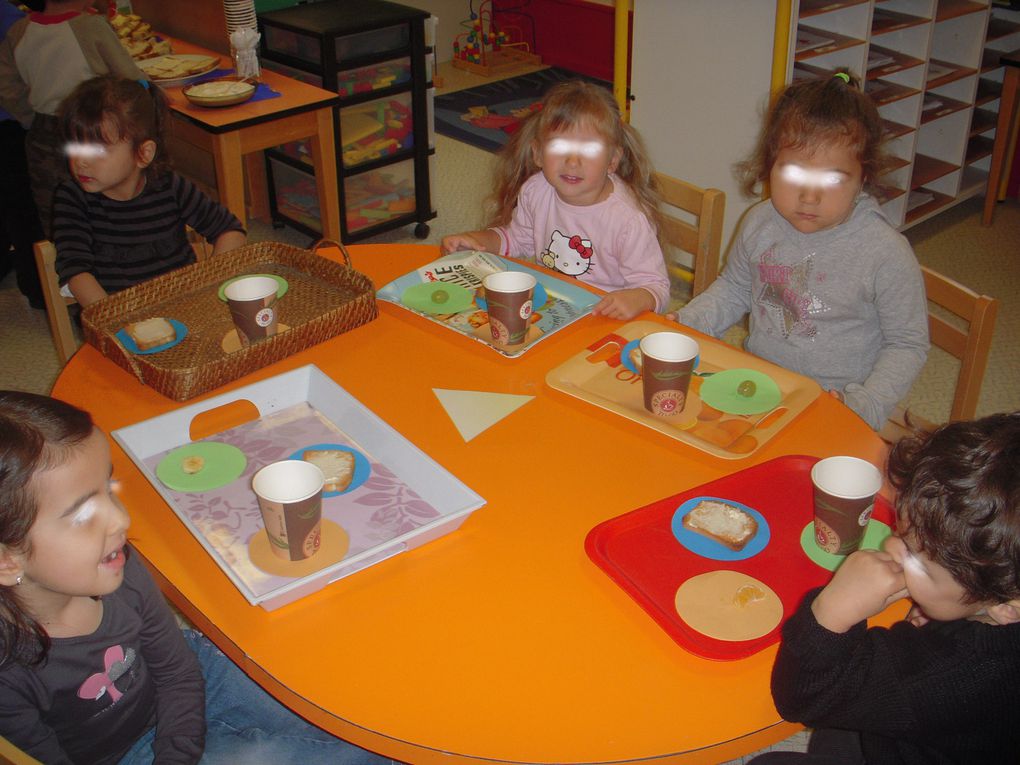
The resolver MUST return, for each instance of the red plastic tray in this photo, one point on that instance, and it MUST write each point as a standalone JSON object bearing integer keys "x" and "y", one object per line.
{"x": 640, "y": 553}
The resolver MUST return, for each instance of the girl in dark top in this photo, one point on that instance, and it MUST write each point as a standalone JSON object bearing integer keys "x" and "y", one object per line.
{"x": 93, "y": 667}
{"x": 122, "y": 218}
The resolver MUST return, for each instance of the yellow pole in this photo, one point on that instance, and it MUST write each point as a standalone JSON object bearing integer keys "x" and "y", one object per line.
{"x": 621, "y": 54}
{"x": 781, "y": 44}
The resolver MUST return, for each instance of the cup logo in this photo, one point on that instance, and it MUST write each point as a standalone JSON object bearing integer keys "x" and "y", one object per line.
{"x": 526, "y": 309}
{"x": 264, "y": 317}
{"x": 499, "y": 330}
{"x": 668, "y": 402}
{"x": 865, "y": 515}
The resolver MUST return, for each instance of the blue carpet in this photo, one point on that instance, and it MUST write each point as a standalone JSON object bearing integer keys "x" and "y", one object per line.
{"x": 506, "y": 102}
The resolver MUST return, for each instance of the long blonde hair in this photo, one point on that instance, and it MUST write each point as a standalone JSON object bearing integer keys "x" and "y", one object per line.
{"x": 565, "y": 105}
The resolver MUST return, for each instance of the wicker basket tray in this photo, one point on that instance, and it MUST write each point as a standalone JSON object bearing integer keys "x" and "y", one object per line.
{"x": 324, "y": 299}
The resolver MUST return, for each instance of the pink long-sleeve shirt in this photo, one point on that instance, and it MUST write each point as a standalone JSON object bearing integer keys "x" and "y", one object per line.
{"x": 610, "y": 245}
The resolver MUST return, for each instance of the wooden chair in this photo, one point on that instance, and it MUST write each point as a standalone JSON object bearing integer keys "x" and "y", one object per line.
{"x": 57, "y": 312}
{"x": 969, "y": 344}
{"x": 56, "y": 304}
{"x": 702, "y": 238}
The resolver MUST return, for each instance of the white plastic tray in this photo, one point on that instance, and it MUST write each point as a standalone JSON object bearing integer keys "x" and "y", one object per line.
{"x": 394, "y": 459}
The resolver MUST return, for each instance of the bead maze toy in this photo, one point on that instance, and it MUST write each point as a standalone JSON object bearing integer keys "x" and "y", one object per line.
{"x": 487, "y": 48}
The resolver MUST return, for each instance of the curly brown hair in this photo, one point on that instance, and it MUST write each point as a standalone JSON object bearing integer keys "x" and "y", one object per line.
{"x": 564, "y": 105}
{"x": 810, "y": 113}
{"x": 959, "y": 496}
{"x": 136, "y": 110}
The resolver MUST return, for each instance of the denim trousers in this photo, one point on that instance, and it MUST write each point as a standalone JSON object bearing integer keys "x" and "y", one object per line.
{"x": 244, "y": 724}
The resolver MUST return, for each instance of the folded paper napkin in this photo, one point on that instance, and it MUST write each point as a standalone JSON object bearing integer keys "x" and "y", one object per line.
{"x": 244, "y": 43}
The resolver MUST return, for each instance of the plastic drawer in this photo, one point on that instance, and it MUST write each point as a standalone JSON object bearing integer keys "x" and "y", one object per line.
{"x": 365, "y": 79}
{"x": 374, "y": 41}
{"x": 292, "y": 44}
{"x": 380, "y": 195}
{"x": 376, "y": 129}
{"x": 296, "y": 195}
{"x": 290, "y": 71}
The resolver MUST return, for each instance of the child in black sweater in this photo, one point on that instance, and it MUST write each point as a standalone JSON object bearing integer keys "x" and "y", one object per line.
{"x": 943, "y": 686}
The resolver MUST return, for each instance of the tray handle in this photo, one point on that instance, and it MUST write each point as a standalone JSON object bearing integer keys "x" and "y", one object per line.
{"x": 322, "y": 243}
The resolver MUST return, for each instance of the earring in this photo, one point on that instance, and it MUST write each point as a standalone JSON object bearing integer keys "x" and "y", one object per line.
{"x": 17, "y": 581}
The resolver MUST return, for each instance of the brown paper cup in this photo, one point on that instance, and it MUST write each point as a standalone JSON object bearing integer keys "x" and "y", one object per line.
{"x": 844, "y": 492}
{"x": 252, "y": 302}
{"x": 290, "y": 498}
{"x": 667, "y": 362}
{"x": 508, "y": 298}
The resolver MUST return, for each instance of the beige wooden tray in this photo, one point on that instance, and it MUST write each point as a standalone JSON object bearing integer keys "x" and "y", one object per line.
{"x": 597, "y": 375}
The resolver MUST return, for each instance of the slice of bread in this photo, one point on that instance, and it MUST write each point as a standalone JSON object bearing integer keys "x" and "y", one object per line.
{"x": 337, "y": 467}
{"x": 722, "y": 522}
{"x": 151, "y": 332}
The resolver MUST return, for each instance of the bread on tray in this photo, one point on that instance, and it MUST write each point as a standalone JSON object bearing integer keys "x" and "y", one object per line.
{"x": 722, "y": 522}
{"x": 151, "y": 333}
{"x": 337, "y": 467}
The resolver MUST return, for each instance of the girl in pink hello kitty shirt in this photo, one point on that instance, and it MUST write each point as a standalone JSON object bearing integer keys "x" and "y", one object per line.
{"x": 574, "y": 192}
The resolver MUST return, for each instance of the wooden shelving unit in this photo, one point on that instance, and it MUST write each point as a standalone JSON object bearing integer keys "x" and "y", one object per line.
{"x": 932, "y": 68}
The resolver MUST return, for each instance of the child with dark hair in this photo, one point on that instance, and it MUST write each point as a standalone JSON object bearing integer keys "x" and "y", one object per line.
{"x": 42, "y": 59}
{"x": 943, "y": 686}
{"x": 123, "y": 218}
{"x": 93, "y": 667}
{"x": 574, "y": 191}
{"x": 832, "y": 290}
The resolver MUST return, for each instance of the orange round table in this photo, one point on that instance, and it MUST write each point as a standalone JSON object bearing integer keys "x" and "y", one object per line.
{"x": 500, "y": 642}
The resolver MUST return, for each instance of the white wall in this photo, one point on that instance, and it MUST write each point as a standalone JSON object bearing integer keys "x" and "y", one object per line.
{"x": 700, "y": 76}
{"x": 450, "y": 14}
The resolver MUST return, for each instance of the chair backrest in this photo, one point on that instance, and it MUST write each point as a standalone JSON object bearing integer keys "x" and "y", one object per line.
{"x": 56, "y": 304}
{"x": 702, "y": 238}
{"x": 971, "y": 344}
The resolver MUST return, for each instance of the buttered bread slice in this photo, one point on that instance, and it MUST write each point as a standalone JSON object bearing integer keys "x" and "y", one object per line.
{"x": 725, "y": 523}
{"x": 337, "y": 467}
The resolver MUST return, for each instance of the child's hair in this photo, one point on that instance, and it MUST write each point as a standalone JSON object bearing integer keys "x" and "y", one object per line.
{"x": 36, "y": 433}
{"x": 565, "y": 105}
{"x": 136, "y": 110}
{"x": 811, "y": 113}
{"x": 959, "y": 495}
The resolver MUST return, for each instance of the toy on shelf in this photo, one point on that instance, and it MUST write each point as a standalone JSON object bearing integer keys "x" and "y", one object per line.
{"x": 487, "y": 48}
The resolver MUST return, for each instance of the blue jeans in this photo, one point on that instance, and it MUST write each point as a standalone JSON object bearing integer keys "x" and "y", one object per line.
{"x": 244, "y": 724}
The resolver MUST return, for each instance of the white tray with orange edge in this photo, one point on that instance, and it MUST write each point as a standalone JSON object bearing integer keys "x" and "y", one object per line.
{"x": 597, "y": 374}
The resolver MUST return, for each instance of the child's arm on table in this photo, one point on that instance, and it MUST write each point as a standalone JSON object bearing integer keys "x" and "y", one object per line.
{"x": 865, "y": 584}
{"x": 726, "y": 300}
{"x": 486, "y": 241}
{"x": 229, "y": 240}
{"x": 903, "y": 315}
{"x": 86, "y": 289}
{"x": 625, "y": 304}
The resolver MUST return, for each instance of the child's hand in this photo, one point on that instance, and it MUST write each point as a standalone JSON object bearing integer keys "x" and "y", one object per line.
{"x": 865, "y": 584}
{"x": 486, "y": 241}
{"x": 916, "y": 616}
{"x": 625, "y": 304}
{"x": 838, "y": 395}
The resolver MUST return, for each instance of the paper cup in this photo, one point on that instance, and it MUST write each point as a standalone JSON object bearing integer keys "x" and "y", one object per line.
{"x": 667, "y": 362}
{"x": 252, "y": 307}
{"x": 509, "y": 297}
{"x": 290, "y": 499}
{"x": 844, "y": 496}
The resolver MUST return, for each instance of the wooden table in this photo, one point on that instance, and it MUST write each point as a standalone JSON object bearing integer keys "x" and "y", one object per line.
{"x": 1004, "y": 128}
{"x": 234, "y": 134}
{"x": 501, "y": 641}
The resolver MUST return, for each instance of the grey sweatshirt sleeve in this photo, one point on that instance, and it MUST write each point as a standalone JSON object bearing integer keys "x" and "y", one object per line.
{"x": 903, "y": 316}
{"x": 726, "y": 300}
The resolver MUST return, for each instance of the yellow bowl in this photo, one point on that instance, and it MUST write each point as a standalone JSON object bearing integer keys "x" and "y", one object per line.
{"x": 226, "y": 91}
